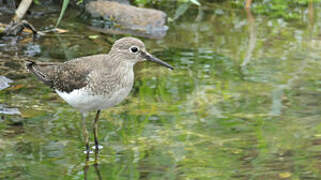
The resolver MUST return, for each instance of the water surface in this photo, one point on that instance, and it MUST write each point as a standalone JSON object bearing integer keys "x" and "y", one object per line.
{"x": 244, "y": 102}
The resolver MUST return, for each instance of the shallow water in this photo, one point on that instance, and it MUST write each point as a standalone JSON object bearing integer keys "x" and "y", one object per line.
{"x": 242, "y": 103}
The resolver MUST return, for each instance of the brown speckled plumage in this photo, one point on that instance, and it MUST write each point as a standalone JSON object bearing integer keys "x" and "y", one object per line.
{"x": 101, "y": 74}
{"x": 65, "y": 76}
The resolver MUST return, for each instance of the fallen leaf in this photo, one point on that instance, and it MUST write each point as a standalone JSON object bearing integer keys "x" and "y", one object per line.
{"x": 16, "y": 87}
{"x": 285, "y": 175}
{"x": 58, "y": 30}
{"x": 93, "y": 36}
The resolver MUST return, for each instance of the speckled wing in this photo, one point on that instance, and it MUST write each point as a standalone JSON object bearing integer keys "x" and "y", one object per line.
{"x": 64, "y": 77}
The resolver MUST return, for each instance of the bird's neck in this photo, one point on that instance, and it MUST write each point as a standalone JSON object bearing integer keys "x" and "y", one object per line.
{"x": 118, "y": 66}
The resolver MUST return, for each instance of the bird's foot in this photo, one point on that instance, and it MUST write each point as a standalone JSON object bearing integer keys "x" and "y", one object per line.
{"x": 99, "y": 147}
{"x": 88, "y": 151}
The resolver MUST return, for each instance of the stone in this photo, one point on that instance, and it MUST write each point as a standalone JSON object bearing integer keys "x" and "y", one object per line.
{"x": 128, "y": 18}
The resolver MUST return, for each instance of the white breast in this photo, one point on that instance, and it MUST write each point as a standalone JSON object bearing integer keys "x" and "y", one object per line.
{"x": 85, "y": 101}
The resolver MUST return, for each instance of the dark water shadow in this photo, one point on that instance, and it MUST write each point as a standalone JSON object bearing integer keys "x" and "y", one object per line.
{"x": 156, "y": 34}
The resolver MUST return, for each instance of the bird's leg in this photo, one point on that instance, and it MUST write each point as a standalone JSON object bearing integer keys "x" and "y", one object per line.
{"x": 95, "y": 129}
{"x": 85, "y": 132}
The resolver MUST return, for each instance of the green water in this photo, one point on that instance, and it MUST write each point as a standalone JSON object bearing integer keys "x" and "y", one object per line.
{"x": 244, "y": 102}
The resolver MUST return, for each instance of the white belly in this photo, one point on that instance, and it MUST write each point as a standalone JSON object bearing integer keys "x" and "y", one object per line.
{"x": 84, "y": 101}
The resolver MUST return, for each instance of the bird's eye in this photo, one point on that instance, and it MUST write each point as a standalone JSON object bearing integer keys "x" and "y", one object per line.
{"x": 134, "y": 49}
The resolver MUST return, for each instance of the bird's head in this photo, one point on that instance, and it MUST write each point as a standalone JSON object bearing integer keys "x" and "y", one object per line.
{"x": 133, "y": 50}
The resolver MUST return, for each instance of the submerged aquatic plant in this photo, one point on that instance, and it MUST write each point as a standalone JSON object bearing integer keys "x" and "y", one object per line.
{"x": 63, "y": 9}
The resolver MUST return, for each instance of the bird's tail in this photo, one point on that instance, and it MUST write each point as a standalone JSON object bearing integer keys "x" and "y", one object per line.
{"x": 34, "y": 68}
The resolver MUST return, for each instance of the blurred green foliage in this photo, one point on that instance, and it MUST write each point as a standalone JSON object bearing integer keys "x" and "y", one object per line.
{"x": 287, "y": 9}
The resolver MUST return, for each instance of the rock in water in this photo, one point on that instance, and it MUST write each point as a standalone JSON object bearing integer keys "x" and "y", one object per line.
{"x": 4, "y": 82}
{"x": 9, "y": 111}
{"x": 119, "y": 1}
{"x": 127, "y": 17}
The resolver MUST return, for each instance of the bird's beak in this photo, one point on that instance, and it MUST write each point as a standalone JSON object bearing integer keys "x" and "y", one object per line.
{"x": 149, "y": 57}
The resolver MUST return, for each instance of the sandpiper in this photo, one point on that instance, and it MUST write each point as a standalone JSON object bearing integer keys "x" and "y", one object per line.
{"x": 95, "y": 82}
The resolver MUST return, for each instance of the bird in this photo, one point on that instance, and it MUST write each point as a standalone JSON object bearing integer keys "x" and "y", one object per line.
{"x": 96, "y": 82}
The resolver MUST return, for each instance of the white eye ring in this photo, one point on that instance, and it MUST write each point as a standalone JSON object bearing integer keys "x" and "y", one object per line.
{"x": 134, "y": 49}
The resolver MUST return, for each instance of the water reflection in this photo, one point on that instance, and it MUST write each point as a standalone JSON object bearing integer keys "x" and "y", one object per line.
{"x": 95, "y": 165}
{"x": 252, "y": 38}
{"x": 155, "y": 34}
